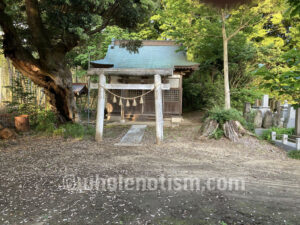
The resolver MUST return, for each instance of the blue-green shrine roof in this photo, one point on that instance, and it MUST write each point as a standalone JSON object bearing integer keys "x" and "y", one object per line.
{"x": 152, "y": 55}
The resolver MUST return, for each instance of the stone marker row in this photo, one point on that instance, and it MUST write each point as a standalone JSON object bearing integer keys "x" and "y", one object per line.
{"x": 274, "y": 115}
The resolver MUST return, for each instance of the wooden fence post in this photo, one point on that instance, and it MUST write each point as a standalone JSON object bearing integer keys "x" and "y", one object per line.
{"x": 158, "y": 109}
{"x": 100, "y": 109}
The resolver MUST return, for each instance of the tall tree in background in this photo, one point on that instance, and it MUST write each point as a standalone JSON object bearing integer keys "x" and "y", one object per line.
{"x": 205, "y": 30}
{"x": 237, "y": 19}
{"x": 278, "y": 46}
{"x": 226, "y": 39}
{"x": 39, "y": 34}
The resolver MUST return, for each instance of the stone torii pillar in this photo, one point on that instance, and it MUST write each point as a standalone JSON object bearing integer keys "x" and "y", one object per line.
{"x": 100, "y": 108}
{"x": 158, "y": 109}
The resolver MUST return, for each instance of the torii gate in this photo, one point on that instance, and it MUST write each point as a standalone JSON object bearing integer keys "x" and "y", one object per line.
{"x": 157, "y": 86}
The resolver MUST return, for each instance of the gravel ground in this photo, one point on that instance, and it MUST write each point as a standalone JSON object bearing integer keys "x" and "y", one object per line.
{"x": 39, "y": 176}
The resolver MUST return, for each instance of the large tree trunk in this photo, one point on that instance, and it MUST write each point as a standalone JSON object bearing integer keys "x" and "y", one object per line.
{"x": 226, "y": 71}
{"x": 58, "y": 89}
{"x": 61, "y": 97}
{"x": 57, "y": 83}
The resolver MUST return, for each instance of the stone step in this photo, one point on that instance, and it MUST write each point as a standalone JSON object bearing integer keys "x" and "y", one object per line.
{"x": 134, "y": 136}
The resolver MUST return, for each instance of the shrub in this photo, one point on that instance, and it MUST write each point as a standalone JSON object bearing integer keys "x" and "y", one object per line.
{"x": 267, "y": 133}
{"x": 223, "y": 115}
{"x": 45, "y": 122}
{"x": 294, "y": 154}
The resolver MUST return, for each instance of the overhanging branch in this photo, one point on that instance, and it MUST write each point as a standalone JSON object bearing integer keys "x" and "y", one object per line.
{"x": 107, "y": 16}
{"x": 238, "y": 30}
{"x": 36, "y": 26}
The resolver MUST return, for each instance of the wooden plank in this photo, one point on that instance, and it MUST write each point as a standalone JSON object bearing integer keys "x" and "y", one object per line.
{"x": 158, "y": 109}
{"x": 100, "y": 109}
{"x": 130, "y": 86}
{"x": 130, "y": 71}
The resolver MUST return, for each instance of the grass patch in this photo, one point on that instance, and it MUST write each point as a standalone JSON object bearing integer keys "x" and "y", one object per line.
{"x": 294, "y": 154}
{"x": 267, "y": 133}
{"x": 74, "y": 130}
{"x": 45, "y": 123}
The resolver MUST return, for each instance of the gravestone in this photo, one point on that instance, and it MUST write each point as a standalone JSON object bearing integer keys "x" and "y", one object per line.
{"x": 265, "y": 105}
{"x": 258, "y": 119}
{"x": 285, "y": 110}
{"x": 247, "y": 110}
{"x": 265, "y": 101}
{"x": 277, "y": 121}
{"x": 267, "y": 121}
{"x": 291, "y": 118}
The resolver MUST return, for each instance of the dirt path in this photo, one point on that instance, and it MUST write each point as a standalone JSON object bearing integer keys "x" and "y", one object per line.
{"x": 33, "y": 171}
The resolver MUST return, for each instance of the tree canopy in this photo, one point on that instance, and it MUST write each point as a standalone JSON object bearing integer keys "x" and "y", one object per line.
{"x": 260, "y": 33}
{"x": 39, "y": 34}
{"x": 46, "y": 38}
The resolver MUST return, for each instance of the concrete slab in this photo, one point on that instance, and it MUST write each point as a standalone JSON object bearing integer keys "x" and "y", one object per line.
{"x": 134, "y": 136}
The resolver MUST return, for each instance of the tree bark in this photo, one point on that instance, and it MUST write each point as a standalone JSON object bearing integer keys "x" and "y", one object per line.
{"x": 226, "y": 71}
{"x": 231, "y": 130}
{"x": 208, "y": 128}
{"x": 57, "y": 85}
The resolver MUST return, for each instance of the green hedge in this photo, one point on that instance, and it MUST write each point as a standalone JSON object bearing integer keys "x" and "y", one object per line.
{"x": 267, "y": 133}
